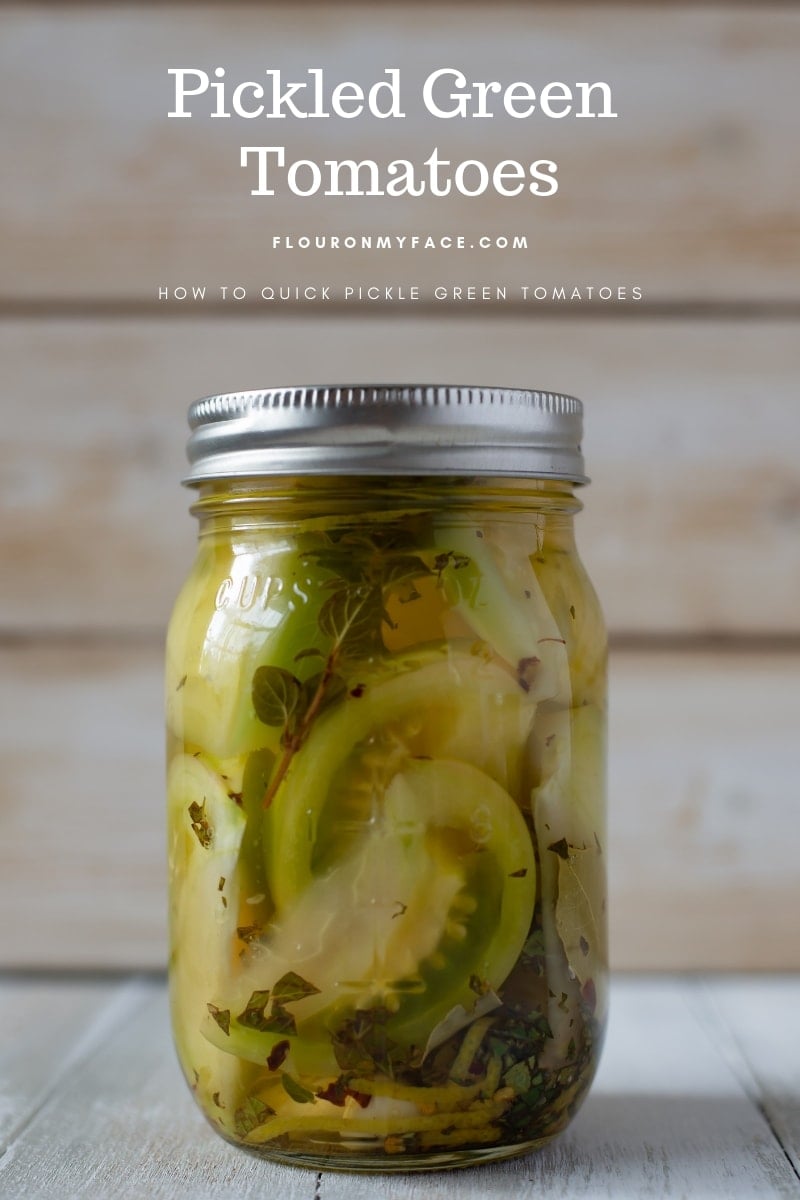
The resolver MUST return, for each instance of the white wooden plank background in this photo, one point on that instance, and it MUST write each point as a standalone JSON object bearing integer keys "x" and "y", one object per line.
{"x": 691, "y": 194}
{"x": 761, "y": 1025}
{"x": 668, "y": 1116}
{"x": 48, "y": 1031}
{"x": 691, "y": 524}
{"x": 703, "y": 800}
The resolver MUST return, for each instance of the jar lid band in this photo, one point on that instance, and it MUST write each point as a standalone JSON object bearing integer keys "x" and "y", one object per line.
{"x": 386, "y": 429}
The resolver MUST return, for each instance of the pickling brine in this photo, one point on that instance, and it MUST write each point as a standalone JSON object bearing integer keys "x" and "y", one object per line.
{"x": 386, "y": 715}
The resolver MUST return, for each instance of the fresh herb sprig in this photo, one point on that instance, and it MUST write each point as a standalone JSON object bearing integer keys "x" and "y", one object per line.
{"x": 351, "y": 618}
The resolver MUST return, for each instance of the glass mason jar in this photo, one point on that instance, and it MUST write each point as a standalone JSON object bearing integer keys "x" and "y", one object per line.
{"x": 386, "y": 704}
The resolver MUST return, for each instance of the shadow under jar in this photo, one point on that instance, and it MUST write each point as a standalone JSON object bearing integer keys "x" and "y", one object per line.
{"x": 386, "y": 703}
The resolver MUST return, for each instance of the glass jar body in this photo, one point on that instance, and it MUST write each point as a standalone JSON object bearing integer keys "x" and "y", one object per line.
{"x": 386, "y": 741}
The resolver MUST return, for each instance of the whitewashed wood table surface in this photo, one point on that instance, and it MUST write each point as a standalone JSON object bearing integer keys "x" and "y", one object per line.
{"x": 698, "y": 1095}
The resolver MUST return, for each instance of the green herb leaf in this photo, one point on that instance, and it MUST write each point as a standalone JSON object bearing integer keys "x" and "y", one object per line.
{"x": 200, "y": 825}
{"x": 352, "y": 615}
{"x": 280, "y": 1020}
{"x": 296, "y": 1090}
{"x": 254, "y": 1112}
{"x": 222, "y": 1016}
{"x": 519, "y": 1077}
{"x": 276, "y": 695}
{"x": 361, "y": 1043}
{"x": 253, "y": 1016}
{"x": 292, "y": 987}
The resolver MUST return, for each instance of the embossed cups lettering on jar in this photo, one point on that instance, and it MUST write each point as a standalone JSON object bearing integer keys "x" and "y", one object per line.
{"x": 386, "y": 707}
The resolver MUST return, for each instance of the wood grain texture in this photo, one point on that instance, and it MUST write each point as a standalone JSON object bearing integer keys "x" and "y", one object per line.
{"x": 690, "y": 193}
{"x": 668, "y": 1117}
{"x": 691, "y": 525}
{"x": 703, "y": 841}
{"x": 50, "y": 1027}
{"x": 759, "y": 1018}
{"x": 704, "y": 794}
{"x": 123, "y": 1124}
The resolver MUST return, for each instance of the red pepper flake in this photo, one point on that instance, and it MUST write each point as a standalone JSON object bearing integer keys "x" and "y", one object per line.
{"x": 337, "y": 1092}
{"x": 277, "y": 1055}
{"x": 358, "y": 691}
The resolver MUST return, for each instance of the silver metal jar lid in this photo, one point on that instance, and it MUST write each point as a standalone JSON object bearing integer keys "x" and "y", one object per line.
{"x": 386, "y": 429}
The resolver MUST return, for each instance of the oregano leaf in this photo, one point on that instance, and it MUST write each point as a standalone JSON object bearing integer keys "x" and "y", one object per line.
{"x": 222, "y": 1016}
{"x": 253, "y": 1016}
{"x": 280, "y": 1020}
{"x": 296, "y": 1090}
{"x": 200, "y": 824}
{"x": 276, "y": 695}
{"x": 352, "y": 614}
{"x": 292, "y": 987}
{"x": 253, "y": 1112}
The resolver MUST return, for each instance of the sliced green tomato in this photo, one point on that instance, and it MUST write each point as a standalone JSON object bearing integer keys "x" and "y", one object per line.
{"x": 440, "y": 893}
{"x": 576, "y": 609}
{"x": 499, "y": 596}
{"x": 203, "y": 914}
{"x": 481, "y": 831}
{"x": 460, "y": 707}
{"x": 570, "y": 805}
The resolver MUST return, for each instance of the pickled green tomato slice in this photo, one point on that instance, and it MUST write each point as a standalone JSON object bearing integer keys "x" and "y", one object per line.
{"x": 201, "y": 947}
{"x": 437, "y": 884}
{"x": 454, "y": 846}
{"x": 457, "y": 707}
{"x": 483, "y": 834}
